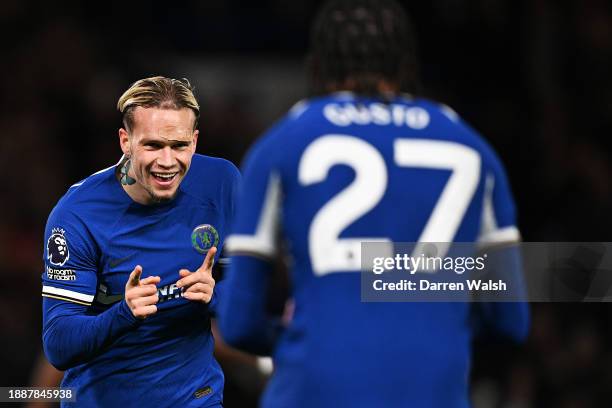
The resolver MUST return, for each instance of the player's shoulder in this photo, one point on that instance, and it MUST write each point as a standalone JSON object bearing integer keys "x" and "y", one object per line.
{"x": 347, "y": 110}
{"x": 212, "y": 167}
{"x": 303, "y": 118}
{"x": 89, "y": 190}
{"x": 209, "y": 179}
{"x": 446, "y": 121}
{"x": 340, "y": 112}
{"x": 82, "y": 203}
{"x": 343, "y": 112}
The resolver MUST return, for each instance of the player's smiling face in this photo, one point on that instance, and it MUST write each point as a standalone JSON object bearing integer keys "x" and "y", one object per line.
{"x": 160, "y": 146}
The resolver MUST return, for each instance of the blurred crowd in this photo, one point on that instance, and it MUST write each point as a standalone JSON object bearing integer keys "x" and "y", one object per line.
{"x": 533, "y": 76}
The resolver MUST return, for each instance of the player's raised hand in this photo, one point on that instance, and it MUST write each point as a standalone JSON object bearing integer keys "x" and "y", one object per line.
{"x": 199, "y": 285}
{"x": 141, "y": 295}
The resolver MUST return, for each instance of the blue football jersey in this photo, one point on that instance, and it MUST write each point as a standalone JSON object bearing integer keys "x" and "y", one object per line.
{"x": 94, "y": 238}
{"x": 336, "y": 171}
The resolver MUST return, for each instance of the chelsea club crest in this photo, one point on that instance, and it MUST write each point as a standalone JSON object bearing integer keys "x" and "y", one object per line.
{"x": 204, "y": 237}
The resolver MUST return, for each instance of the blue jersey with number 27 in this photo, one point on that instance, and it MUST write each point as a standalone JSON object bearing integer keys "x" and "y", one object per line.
{"x": 337, "y": 171}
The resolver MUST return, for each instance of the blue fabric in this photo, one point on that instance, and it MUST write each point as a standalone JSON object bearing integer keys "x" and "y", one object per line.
{"x": 337, "y": 350}
{"x": 95, "y": 236}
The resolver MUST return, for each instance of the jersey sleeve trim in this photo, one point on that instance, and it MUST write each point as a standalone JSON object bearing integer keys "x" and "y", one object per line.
{"x": 504, "y": 235}
{"x": 491, "y": 233}
{"x": 69, "y": 295}
{"x": 263, "y": 242}
{"x": 66, "y": 299}
{"x": 488, "y": 222}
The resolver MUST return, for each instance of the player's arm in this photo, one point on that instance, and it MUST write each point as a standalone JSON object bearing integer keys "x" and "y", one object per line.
{"x": 506, "y": 318}
{"x": 71, "y": 334}
{"x": 500, "y": 238}
{"x": 243, "y": 317}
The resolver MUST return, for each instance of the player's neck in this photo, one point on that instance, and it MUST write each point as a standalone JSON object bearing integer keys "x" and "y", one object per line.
{"x": 134, "y": 190}
{"x": 383, "y": 87}
{"x": 137, "y": 193}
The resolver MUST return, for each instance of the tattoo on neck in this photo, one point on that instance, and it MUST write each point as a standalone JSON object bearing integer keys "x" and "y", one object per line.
{"x": 126, "y": 180}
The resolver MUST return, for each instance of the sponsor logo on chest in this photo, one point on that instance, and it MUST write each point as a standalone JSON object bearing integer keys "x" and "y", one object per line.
{"x": 169, "y": 292}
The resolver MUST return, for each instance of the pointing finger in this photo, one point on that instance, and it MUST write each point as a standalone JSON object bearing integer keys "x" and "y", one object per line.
{"x": 134, "y": 278}
{"x": 209, "y": 260}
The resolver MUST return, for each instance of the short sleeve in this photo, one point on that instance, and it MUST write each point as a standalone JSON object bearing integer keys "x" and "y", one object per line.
{"x": 70, "y": 257}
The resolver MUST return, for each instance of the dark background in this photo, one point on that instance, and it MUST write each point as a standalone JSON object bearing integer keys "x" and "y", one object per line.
{"x": 533, "y": 76}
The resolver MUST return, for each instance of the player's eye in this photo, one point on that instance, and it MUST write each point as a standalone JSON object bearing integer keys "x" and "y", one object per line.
{"x": 180, "y": 146}
{"x": 153, "y": 145}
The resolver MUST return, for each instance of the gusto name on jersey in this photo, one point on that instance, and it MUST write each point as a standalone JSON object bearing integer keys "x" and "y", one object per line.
{"x": 376, "y": 113}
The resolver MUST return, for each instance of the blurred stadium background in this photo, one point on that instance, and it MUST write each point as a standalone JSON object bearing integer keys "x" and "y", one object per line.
{"x": 533, "y": 76}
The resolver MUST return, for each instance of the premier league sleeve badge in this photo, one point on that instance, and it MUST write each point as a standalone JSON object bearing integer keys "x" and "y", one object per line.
{"x": 57, "y": 248}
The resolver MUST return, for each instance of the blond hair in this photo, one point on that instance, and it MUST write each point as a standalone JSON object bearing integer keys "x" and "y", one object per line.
{"x": 158, "y": 92}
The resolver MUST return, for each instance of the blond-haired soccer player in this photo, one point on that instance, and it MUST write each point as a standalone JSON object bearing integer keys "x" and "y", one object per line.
{"x": 128, "y": 291}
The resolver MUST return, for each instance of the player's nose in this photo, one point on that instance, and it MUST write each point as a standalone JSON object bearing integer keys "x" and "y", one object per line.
{"x": 165, "y": 157}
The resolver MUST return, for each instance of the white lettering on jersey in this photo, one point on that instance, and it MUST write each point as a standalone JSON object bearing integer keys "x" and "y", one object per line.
{"x": 376, "y": 113}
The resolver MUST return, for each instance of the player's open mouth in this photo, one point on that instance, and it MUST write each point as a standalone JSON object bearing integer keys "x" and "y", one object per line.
{"x": 164, "y": 178}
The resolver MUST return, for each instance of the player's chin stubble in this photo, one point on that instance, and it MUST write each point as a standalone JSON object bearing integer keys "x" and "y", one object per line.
{"x": 160, "y": 200}
{"x": 157, "y": 199}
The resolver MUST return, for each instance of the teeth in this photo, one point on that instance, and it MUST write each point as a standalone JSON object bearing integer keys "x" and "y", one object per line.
{"x": 164, "y": 176}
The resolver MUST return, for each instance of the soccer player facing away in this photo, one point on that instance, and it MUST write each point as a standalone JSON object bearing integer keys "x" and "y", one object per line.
{"x": 127, "y": 288}
{"x": 363, "y": 159}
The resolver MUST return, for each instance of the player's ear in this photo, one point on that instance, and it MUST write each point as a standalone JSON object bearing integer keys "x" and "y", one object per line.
{"x": 196, "y": 133}
{"x": 124, "y": 141}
